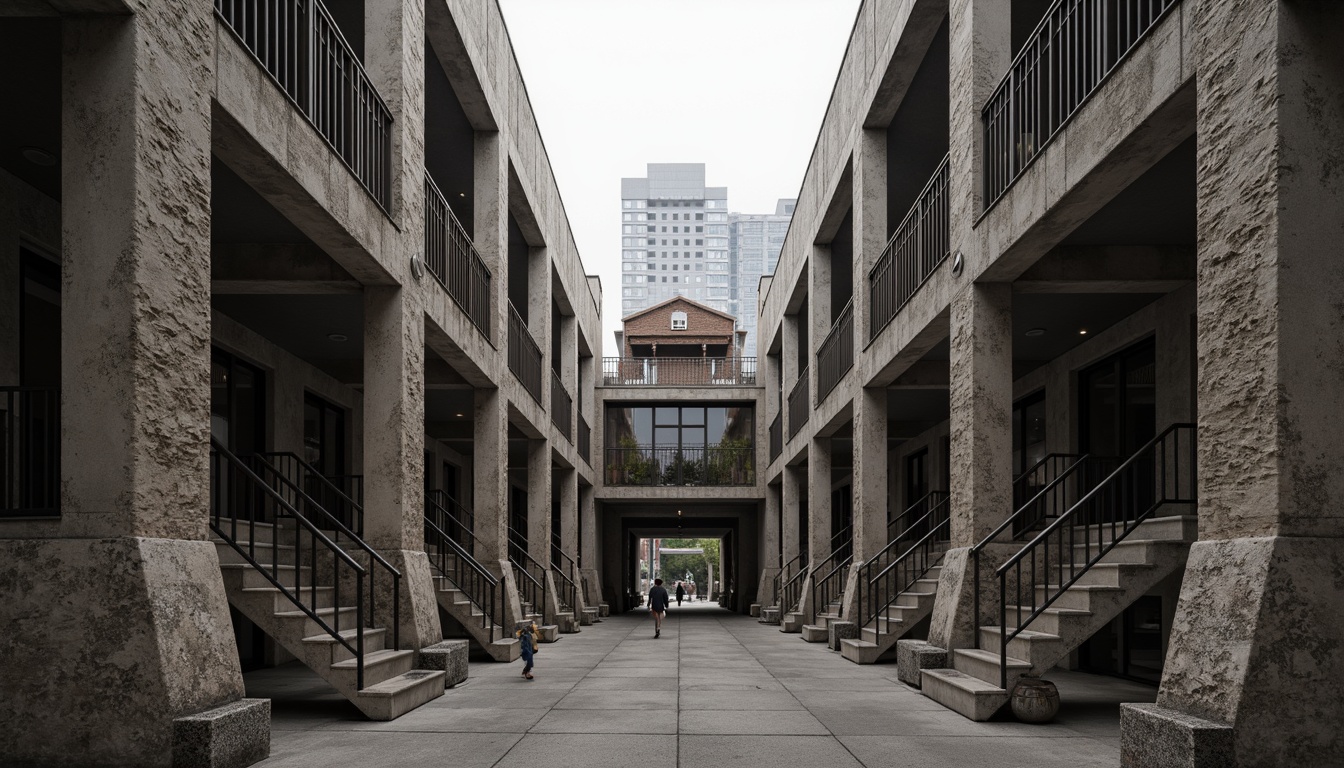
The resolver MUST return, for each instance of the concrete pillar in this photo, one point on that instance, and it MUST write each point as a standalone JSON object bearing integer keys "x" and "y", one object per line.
{"x": 980, "y": 48}
{"x": 769, "y": 546}
{"x": 819, "y": 499}
{"x": 589, "y": 560}
{"x": 870, "y": 473}
{"x": 981, "y": 399}
{"x": 539, "y": 494}
{"x": 131, "y": 576}
{"x": 394, "y": 441}
{"x": 870, "y": 222}
{"x": 792, "y": 496}
{"x": 490, "y": 476}
{"x": 1258, "y": 640}
{"x": 490, "y": 235}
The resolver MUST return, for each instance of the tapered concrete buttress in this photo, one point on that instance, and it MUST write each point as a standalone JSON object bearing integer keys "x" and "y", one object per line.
{"x": 119, "y": 623}
{"x": 1258, "y": 641}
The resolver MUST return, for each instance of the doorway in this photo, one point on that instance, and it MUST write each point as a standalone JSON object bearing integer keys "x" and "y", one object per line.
{"x": 237, "y": 404}
{"x": 1118, "y": 401}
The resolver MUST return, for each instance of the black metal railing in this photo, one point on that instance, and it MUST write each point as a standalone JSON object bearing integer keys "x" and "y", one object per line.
{"x": 249, "y": 501}
{"x": 800, "y": 403}
{"x": 300, "y": 46}
{"x": 1161, "y": 472}
{"x": 679, "y": 371}
{"x": 1071, "y": 52}
{"x": 650, "y": 465}
{"x": 451, "y": 545}
{"x": 921, "y": 535}
{"x": 530, "y": 575}
{"x": 776, "y": 436}
{"x": 562, "y": 407}
{"x": 835, "y": 356}
{"x": 524, "y": 354}
{"x": 335, "y": 496}
{"x": 1041, "y": 494}
{"x": 565, "y": 573}
{"x": 828, "y": 584}
{"x": 791, "y": 591}
{"x": 585, "y": 441}
{"x": 786, "y": 571}
{"x": 452, "y": 258}
{"x": 919, "y": 244}
{"x": 30, "y": 452}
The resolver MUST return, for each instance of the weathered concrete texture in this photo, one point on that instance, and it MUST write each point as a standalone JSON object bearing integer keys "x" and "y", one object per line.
{"x": 912, "y": 656}
{"x": 1258, "y": 642}
{"x": 840, "y": 630}
{"x": 144, "y": 622}
{"x": 953, "y": 623}
{"x": 1153, "y": 737}
{"x": 420, "y": 625}
{"x": 450, "y": 656}
{"x": 231, "y": 736}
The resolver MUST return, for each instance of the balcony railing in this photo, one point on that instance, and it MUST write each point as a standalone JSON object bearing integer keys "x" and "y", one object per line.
{"x": 562, "y": 407}
{"x": 800, "y": 403}
{"x": 301, "y": 47}
{"x": 585, "y": 440}
{"x": 649, "y": 465}
{"x": 30, "y": 452}
{"x": 914, "y": 251}
{"x": 1071, "y": 52}
{"x": 679, "y": 371}
{"x": 835, "y": 356}
{"x": 453, "y": 260}
{"x": 524, "y": 355}
{"x": 776, "y": 436}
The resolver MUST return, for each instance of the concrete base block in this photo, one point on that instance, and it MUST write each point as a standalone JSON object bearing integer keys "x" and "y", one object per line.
{"x": 604, "y": 610}
{"x": 769, "y": 615}
{"x": 1155, "y": 737}
{"x": 754, "y": 610}
{"x": 450, "y": 656}
{"x": 840, "y": 630}
{"x": 588, "y": 617}
{"x": 915, "y": 655}
{"x": 231, "y": 736}
{"x": 549, "y": 633}
{"x": 567, "y": 623}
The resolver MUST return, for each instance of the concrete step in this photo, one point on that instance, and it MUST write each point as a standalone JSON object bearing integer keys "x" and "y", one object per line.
{"x": 505, "y": 649}
{"x": 243, "y": 576}
{"x": 319, "y": 597}
{"x": 1052, "y": 620}
{"x": 257, "y": 532}
{"x": 339, "y": 618}
{"x": 813, "y": 633}
{"x": 396, "y": 696}
{"x": 1029, "y": 645}
{"x": 375, "y": 639}
{"x": 263, "y": 552}
{"x": 860, "y": 651}
{"x": 792, "y": 622}
{"x": 1170, "y": 528}
{"x": 984, "y": 664}
{"x": 378, "y": 666}
{"x": 970, "y": 696}
{"x": 1077, "y": 596}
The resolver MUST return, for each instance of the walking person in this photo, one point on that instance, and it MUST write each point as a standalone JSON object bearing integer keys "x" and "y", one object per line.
{"x": 681, "y": 593}
{"x": 527, "y": 635}
{"x": 658, "y": 605}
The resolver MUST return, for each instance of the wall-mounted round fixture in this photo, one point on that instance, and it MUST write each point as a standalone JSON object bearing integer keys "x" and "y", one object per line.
{"x": 958, "y": 264}
{"x": 337, "y": 337}
{"x": 39, "y": 156}
{"x": 417, "y": 267}
{"x": 1034, "y": 332}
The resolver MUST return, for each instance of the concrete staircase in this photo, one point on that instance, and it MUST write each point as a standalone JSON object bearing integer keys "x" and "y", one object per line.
{"x": 391, "y": 686}
{"x": 1156, "y": 549}
{"x": 911, "y": 607}
{"x": 497, "y": 642}
{"x": 818, "y": 631}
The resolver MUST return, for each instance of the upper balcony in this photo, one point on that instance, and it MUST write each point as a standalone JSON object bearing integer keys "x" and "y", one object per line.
{"x": 300, "y": 45}
{"x": 679, "y": 371}
{"x": 1076, "y": 46}
{"x": 454, "y": 261}
{"x": 916, "y": 248}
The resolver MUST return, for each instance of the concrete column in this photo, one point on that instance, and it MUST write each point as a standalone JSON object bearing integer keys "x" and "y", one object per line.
{"x": 981, "y": 399}
{"x": 539, "y": 494}
{"x": 132, "y": 577}
{"x": 792, "y": 537}
{"x": 870, "y": 473}
{"x": 769, "y": 545}
{"x": 589, "y": 559}
{"x": 490, "y": 476}
{"x": 1258, "y": 639}
{"x": 394, "y": 442}
{"x": 979, "y": 34}
{"x": 819, "y": 499}
{"x": 490, "y": 235}
{"x": 870, "y": 221}
{"x": 394, "y": 44}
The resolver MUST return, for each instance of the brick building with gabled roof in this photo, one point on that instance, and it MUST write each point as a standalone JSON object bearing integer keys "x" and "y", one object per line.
{"x": 680, "y": 327}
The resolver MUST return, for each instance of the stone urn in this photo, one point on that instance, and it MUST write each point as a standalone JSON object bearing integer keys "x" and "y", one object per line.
{"x": 1035, "y": 701}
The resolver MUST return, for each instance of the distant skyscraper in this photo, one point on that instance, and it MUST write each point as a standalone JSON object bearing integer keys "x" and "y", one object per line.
{"x": 754, "y": 243}
{"x": 674, "y": 239}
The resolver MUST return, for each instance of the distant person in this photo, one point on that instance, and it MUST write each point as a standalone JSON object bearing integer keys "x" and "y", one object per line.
{"x": 527, "y": 639}
{"x": 658, "y": 606}
{"x": 692, "y": 592}
{"x": 681, "y": 594}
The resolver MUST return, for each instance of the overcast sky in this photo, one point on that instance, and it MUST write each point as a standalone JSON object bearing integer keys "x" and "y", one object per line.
{"x": 752, "y": 79}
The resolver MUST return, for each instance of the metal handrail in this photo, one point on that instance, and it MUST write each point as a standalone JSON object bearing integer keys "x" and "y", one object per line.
{"x": 233, "y": 483}
{"x": 451, "y": 257}
{"x": 1020, "y": 523}
{"x": 458, "y": 521}
{"x": 718, "y": 371}
{"x": 524, "y": 354}
{"x": 465, "y": 573}
{"x": 672, "y": 466}
{"x": 30, "y": 451}
{"x": 1132, "y": 487}
{"x": 776, "y": 436}
{"x": 562, "y": 407}
{"x": 1071, "y": 52}
{"x": 308, "y": 475}
{"x": 800, "y": 403}
{"x": 792, "y": 590}
{"x": 783, "y": 571}
{"x": 835, "y": 356}
{"x": 906, "y": 561}
{"x": 533, "y": 583}
{"x": 842, "y": 554}
{"x": 918, "y": 245}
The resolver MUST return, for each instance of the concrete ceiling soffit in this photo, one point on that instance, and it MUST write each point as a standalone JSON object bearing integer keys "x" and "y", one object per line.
{"x": 842, "y": 200}
{"x": 288, "y": 268}
{"x": 912, "y": 44}
{"x": 1110, "y": 269}
{"x": 523, "y": 210}
{"x": 443, "y": 345}
{"x": 445, "y": 39}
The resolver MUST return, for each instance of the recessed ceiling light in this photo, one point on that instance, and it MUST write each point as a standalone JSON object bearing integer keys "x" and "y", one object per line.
{"x": 39, "y": 156}
{"x": 337, "y": 337}
{"x": 1082, "y": 331}
{"x": 459, "y": 415}
{"x": 1034, "y": 332}
{"x": 461, "y": 194}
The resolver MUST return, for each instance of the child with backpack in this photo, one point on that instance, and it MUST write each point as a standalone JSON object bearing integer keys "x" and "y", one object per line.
{"x": 528, "y": 636}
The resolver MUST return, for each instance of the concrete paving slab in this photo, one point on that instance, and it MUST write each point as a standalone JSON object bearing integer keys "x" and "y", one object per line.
{"x": 588, "y": 750}
{"x": 764, "y": 752}
{"x": 758, "y": 723}
{"x": 739, "y": 700}
{"x": 619, "y": 700}
{"x": 645, "y": 721}
{"x": 323, "y": 749}
{"x": 961, "y": 751}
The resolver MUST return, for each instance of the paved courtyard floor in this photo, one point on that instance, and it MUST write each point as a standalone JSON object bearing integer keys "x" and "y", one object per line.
{"x": 717, "y": 689}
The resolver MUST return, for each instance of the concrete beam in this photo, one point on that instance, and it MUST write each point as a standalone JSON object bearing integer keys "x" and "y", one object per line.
{"x": 1110, "y": 269}
{"x": 276, "y": 268}
{"x": 925, "y": 374}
